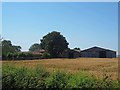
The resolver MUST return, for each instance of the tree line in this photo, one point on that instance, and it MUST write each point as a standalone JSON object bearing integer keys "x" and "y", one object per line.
{"x": 53, "y": 43}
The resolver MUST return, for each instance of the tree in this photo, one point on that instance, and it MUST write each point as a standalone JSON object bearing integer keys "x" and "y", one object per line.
{"x": 54, "y": 43}
{"x": 10, "y": 56}
{"x": 8, "y": 47}
{"x": 76, "y": 48}
{"x": 16, "y": 48}
{"x": 35, "y": 47}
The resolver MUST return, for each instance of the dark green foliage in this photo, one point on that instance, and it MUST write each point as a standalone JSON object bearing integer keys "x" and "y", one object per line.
{"x": 10, "y": 56}
{"x": 21, "y": 56}
{"x": 58, "y": 80}
{"x": 54, "y": 43}
{"x": 23, "y": 78}
{"x": 38, "y": 78}
{"x": 76, "y": 48}
{"x": 35, "y": 47}
{"x": 8, "y": 50}
{"x": 16, "y": 48}
{"x": 46, "y": 55}
{"x": 8, "y": 47}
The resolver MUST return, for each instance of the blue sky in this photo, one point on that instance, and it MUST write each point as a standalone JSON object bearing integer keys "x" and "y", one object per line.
{"x": 83, "y": 24}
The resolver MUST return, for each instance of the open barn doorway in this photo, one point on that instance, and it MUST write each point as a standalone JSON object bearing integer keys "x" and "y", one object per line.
{"x": 102, "y": 54}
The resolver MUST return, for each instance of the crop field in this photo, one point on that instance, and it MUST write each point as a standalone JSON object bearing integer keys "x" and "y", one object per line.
{"x": 94, "y": 66}
{"x": 76, "y": 73}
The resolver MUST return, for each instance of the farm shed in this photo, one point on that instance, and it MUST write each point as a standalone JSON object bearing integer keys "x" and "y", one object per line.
{"x": 97, "y": 52}
{"x": 38, "y": 51}
{"x": 69, "y": 53}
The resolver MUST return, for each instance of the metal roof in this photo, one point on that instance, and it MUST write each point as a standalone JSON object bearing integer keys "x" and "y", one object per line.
{"x": 95, "y": 47}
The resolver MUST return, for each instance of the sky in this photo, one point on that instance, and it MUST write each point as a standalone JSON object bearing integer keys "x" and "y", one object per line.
{"x": 84, "y": 24}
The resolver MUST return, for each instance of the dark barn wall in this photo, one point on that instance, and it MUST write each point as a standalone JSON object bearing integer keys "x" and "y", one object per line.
{"x": 111, "y": 54}
{"x": 102, "y": 54}
{"x": 96, "y": 52}
{"x": 70, "y": 54}
{"x": 76, "y": 54}
{"x": 89, "y": 54}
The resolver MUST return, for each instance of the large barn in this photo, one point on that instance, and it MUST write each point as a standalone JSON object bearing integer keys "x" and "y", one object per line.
{"x": 97, "y": 52}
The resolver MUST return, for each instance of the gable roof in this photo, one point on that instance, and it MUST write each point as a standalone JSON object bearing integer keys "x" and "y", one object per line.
{"x": 38, "y": 51}
{"x": 97, "y": 48}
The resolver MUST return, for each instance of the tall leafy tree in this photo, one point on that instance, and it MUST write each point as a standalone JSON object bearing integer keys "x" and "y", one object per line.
{"x": 54, "y": 43}
{"x": 35, "y": 47}
{"x": 8, "y": 47}
{"x": 16, "y": 48}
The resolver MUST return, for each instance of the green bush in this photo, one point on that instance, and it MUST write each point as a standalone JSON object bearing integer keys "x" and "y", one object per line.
{"x": 81, "y": 80}
{"x": 22, "y": 56}
{"x": 58, "y": 80}
{"x": 24, "y": 78}
{"x": 9, "y": 56}
{"x": 46, "y": 55}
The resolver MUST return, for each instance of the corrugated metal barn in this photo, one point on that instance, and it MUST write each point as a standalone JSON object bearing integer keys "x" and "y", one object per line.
{"x": 97, "y": 52}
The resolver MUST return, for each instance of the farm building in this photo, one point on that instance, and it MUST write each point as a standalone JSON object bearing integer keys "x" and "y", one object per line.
{"x": 38, "y": 51}
{"x": 69, "y": 53}
{"x": 97, "y": 52}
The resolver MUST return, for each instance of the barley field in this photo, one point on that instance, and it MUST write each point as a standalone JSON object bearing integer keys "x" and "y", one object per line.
{"x": 93, "y": 66}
